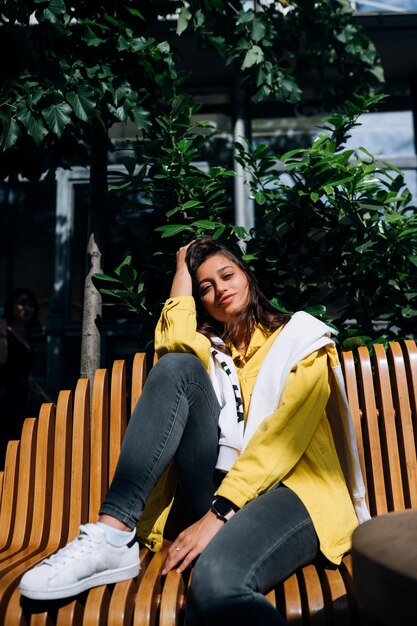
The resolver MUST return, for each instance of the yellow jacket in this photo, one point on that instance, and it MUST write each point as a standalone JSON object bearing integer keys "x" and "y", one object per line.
{"x": 294, "y": 445}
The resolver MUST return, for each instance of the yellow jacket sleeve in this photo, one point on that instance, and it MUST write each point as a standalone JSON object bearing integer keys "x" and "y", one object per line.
{"x": 281, "y": 439}
{"x": 176, "y": 330}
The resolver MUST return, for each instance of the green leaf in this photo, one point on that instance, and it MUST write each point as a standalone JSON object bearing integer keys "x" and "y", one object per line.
{"x": 91, "y": 39}
{"x": 183, "y": 19}
{"x": 57, "y": 117}
{"x": 135, "y": 13}
{"x": 190, "y": 204}
{"x": 172, "y": 229}
{"x": 352, "y": 342}
{"x": 240, "y": 231}
{"x": 279, "y": 306}
{"x": 127, "y": 260}
{"x": 254, "y": 56}
{"x": 52, "y": 12}
{"x": 11, "y": 133}
{"x": 106, "y": 278}
{"x": 245, "y": 17}
{"x": 205, "y": 224}
{"x": 260, "y": 198}
{"x": 129, "y": 163}
{"x": 220, "y": 230}
{"x": 34, "y": 127}
{"x": 258, "y": 30}
{"x": 316, "y": 310}
{"x": 82, "y": 102}
{"x": 115, "y": 186}
{"x": 128, "y": 275}
{"x": 291, "y": 154}
{"x": 141, "y": 118}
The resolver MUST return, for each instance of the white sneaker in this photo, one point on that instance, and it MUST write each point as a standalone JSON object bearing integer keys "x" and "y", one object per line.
{"x": 87, "y": 561}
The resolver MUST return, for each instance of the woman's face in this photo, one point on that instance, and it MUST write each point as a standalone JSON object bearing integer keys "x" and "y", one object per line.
{"x": 23, "y": 308}
{"x": 223, "y": 288}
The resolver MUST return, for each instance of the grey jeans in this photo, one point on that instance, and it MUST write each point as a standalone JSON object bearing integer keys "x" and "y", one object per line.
{"x": 176, "y": 419}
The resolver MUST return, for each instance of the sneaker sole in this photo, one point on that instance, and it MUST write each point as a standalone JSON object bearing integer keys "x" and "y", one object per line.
{"x": 104, "y": 578}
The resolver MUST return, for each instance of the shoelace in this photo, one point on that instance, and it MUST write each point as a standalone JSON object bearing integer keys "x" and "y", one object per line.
{"x": 85, "y": 542}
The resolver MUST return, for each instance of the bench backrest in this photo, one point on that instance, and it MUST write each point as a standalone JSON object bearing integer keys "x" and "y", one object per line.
{"x": 68, "y": 460}
{"x": 382, "y": 393}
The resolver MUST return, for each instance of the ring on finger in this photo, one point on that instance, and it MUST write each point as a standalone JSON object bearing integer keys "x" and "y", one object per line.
{"x": 177, "y": 549}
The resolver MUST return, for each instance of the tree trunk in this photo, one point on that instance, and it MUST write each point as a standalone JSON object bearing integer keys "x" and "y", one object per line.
{"x": 90, "y": 343}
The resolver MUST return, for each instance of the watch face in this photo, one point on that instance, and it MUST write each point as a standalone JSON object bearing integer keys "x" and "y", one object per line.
{"x": 222, "y": 507}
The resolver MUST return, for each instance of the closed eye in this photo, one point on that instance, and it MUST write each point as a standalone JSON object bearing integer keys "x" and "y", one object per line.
{"x": 205, "y": 288}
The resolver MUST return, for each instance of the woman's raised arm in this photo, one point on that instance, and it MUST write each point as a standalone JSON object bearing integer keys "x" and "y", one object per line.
{"x": 182, "y": 284}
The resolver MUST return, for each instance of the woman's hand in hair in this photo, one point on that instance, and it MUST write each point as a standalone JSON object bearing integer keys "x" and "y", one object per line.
{"x": 191, "y": 542}
{"x": 182, "y": 284}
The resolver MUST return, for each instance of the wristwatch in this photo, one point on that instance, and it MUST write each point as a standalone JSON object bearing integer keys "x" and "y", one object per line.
{"x": 223, "y": 509}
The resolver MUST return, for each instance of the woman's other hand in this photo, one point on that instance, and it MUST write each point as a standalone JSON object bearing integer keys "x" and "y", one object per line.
{"x": 191, "y": 542}
{"x": 182, "y": 284}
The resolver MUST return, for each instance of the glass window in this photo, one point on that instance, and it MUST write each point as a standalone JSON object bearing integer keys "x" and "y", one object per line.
{"x": 385, "y": 6}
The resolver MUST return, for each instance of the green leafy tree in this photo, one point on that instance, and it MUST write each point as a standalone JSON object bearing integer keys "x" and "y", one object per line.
{"x": 274, "y": 53}
{"x": 337, "y": 227}
{"x": 77, "y": 68}
{"x": 277, "y": 48}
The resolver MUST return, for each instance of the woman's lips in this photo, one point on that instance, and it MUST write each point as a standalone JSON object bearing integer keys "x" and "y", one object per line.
{"x": 225, "y": 299}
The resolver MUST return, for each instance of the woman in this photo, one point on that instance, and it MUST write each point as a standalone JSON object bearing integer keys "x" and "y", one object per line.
{"x": 16, "y": 357}
{"x": 235, "y": 414}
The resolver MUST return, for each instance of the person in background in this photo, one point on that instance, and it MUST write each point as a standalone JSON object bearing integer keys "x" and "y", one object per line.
{"x": 235, "y": 415}
{"x": 16, "y": 359}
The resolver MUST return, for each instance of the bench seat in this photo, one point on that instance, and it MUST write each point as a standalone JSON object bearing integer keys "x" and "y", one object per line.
{"x": 56, "y": 476}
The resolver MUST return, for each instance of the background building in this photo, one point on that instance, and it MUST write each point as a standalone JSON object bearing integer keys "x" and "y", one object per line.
{"x": 43, "y": 226}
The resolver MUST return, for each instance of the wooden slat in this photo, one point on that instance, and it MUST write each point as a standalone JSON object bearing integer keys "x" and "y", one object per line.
{"x": 41, "y": 619}
{"x": 58, "y": 530}
{"x": 172, "y": 600}
{"x": 24, "y": 499}
{"x": 122, "y": 603}
{"x": 336, "y": 597}
{"x": 389, "y": 438}
{"x": 375, "y": 471}
{"x": 405, "y": 429}
{"x": 1, "y": 485}
{"x": 117, "y": 414}
{"x": 96, "y": 607}
{"x": 40, "y": 496}
{"x": 138, "y": 378}
{"x": 314, "y": 599}
{"x": 149, "y": 594}
{"x": 410, "y": 356}
{"x": 14, "y": 614}
{"x": 293, "y": 603}
{"x": 71, "y": 614}
{"x": 99, "y": 454}
{"x": 9, "y": 495}
{"x": 79, "y": 499}
{"x": 346, "y": 572}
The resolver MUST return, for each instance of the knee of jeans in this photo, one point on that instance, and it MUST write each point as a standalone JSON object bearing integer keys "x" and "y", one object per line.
{"x": 177, "y": 363}
{"x": 212, "y": 588}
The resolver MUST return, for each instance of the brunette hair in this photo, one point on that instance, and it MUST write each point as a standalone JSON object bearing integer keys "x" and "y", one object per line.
{"x": 10, "y": 302}
{"x": 258, "y": 311}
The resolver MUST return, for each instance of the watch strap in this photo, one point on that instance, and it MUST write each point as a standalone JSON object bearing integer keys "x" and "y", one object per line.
{"x": 223, "y": 509}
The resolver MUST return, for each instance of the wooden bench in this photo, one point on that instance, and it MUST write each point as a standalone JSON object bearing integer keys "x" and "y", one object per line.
{"x": 55, "y": 478}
